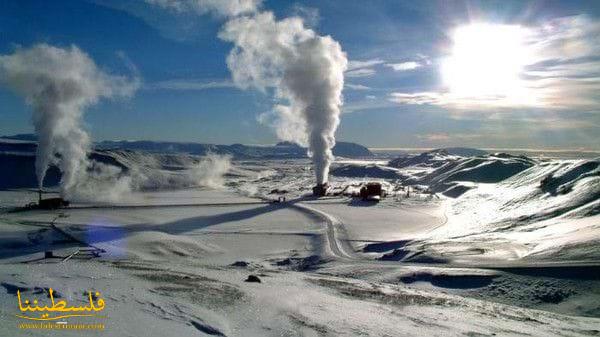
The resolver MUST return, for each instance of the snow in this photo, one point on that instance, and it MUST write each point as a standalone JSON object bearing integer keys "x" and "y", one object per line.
{"x": 511, "y": 257}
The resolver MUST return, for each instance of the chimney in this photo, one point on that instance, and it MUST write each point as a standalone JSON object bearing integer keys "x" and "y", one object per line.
{"x": 320, "y": 190}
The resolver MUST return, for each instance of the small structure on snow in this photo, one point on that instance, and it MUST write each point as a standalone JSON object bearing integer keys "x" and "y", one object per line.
{"x": 372, "y": 191}
{"x": 253, "y": 279}
{"x": 51, "y": 203}
{"x": 321, "y": 189}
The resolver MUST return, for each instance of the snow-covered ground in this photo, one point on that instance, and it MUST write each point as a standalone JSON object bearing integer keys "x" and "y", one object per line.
{"x": 512, "y": 257}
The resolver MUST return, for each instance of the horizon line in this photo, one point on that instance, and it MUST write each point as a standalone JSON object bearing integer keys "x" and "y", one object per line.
{"x": 482, "y": 148}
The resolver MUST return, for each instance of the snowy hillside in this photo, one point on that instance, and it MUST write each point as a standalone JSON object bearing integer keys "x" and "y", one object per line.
{"x": 493, "y": 168}
{"x": 511, "y": 207}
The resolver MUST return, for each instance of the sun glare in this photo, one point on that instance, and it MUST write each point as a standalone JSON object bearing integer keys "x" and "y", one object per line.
{"x": 486, "y": 63}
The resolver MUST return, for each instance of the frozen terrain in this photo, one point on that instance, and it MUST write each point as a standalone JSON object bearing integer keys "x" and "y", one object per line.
{"x": 465, "y": 244}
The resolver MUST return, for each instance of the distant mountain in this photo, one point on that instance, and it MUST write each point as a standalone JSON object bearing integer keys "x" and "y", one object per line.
{"x": 288, "y": 144}
{"x": 351, "y": 150}
{"x": 462, "y": 151}
{"x": 23, "y": 136}
{"x": 281, "y": 150}
{"x": 163, "y": 147}
{"x": 17, "y": 156}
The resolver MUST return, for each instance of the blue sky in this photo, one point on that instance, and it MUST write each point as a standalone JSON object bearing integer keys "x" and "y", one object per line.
{"x": 396, "y": 92}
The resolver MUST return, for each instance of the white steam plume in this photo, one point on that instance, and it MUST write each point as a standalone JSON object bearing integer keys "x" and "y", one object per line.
{"x": 148, "y": 172}
{"x": 59, "y": 83}
{"x": 305, "y": 69}
{"x": 210, "y": 170}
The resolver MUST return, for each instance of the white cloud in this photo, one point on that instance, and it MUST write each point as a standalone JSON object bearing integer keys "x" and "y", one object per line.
{"x": 362, "y": 68}
{"x": 354, "y": 64}
{"x": 356, "y": 86}
{"x": 363, "y": 72}
{"x": 224, "y": 8}
{"x": 190, "y": 84}
{"x": 309, "y": 15}
{"x": 418, "y": 98}
{"x": 404, "y": 66}
{"x": 368, "y": 103}
{"x": 451, "y": 100}
{"x": 445, "y": 137}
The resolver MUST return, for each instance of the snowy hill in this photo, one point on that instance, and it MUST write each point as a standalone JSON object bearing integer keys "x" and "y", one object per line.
{"x": 546, "y": 211}
{"x": 366, "y": 171}
{"x": 434, "y": 158}
{"x": 489, "y": 169}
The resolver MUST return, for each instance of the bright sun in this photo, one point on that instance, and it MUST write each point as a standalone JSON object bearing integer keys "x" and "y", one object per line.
{"x": 486, "y": 63}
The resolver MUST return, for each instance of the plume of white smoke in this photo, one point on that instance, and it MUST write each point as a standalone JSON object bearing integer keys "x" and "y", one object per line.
{"x": 287, "y": 122}
{"x": 305, "y": 69}
{"x": 59, "y": 83}
{"x": 102, "y": 182}
{"x": 210, "y": 171}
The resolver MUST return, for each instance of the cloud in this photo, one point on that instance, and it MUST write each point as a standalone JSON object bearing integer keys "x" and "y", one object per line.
{"x": 356, "y": 86}
{"x": 190, "y": 85}
{"x": 369, "y": 103}
{"x": 445, "y": 137}
{"x": 309, "y": 15}
{"x": 221, "y": 8}
{"x": 363, "y": 72}
{"x": 419, "y": 98}
{"x": 404, "y": 66}
{"x": 557, "y": 123}
{"x": 362, "y": 68}
{"x": 354, "y": 64}
{"x": 454, "y": 101}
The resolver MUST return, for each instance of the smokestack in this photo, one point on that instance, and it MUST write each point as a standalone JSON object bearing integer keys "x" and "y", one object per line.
{"x": 39, "y": 196}
{"x": 305, "y": 69}
{"x": 59, "y": 83}
{"x": 320, "y": 190}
